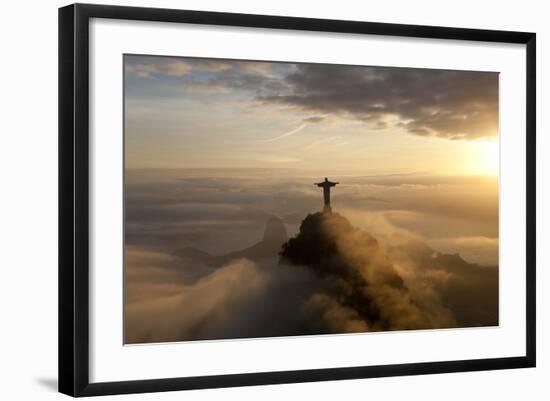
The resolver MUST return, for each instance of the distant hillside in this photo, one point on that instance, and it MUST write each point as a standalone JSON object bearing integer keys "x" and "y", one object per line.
{"x": 274, "y": 237}
{"x": 470, "y": 291}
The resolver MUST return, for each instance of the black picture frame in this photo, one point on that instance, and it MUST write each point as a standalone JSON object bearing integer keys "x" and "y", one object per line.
{"x": 74, "y": 191}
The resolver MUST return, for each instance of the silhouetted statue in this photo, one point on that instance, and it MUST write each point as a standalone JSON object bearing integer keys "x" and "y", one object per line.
{"x": 326, "y": 185}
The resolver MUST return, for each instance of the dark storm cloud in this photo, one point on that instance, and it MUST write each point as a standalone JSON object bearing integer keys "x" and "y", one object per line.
{"x": 450, "y": 104}
{"x": 424, "y": 102}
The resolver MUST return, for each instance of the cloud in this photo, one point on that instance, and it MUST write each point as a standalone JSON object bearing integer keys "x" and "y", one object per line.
{"x": 282, "y": 136}
{"x": 149, "y": 274}
{"x": 479, "y": 249}
{"x": 211, "y": 65}
{"x": 220, "y": 210}
{"x": 180, "y": 317}
{"x": 424, "y": 102}
{"x": 149, "y": 68}
{"x": 241, "y": 299}
{"x": 444, "y": 103}
{"x": 430, "y": 206}
{"x": 332, "y": 278}
{"x": 315, "y": 119}
{"x": 362, "y": 283}
{"x": 215, "y": 71}
{"x": 324, "y": 313}
{"x": 469, "y": 291}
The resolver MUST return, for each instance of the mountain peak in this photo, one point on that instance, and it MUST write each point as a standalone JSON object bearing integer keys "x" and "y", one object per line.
{"x": 275, "y": 231}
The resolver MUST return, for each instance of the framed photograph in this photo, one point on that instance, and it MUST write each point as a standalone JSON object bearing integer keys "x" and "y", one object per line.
{"x": 250, "y": 199}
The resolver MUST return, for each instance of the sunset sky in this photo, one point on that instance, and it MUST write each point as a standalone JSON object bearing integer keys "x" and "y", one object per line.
{"x": 215, "y": 150}
{"x": 207, "y": 113}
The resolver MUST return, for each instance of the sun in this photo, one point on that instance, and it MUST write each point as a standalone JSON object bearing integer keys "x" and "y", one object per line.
{"x": 485, "y": 157}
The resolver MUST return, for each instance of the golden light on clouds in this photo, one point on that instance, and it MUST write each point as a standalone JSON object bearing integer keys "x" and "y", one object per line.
{"x": 224, "y": 232}
{"x": 208, "y": 113}
{"x": 484, "y": 159}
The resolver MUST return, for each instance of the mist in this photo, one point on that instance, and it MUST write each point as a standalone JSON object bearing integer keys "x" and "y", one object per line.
{"x": 203, "y": 262}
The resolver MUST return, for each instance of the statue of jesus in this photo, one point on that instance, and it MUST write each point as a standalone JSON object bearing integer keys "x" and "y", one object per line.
{"x": 326, "y": 185}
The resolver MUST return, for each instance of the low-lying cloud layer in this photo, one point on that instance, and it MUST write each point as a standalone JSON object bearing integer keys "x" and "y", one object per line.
{"x": 330, "y": 278}
{"x": 200, "y": 266}
{"x": 361, "y": 281}
{"x": 240, "y": 299}
{"x": 220, "y": 211}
